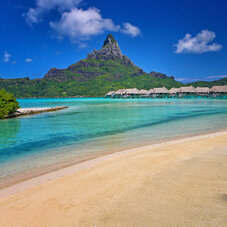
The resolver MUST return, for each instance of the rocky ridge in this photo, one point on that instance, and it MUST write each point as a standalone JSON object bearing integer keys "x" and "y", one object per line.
{"x": 110, "y": 51}
{"x": 97, "y": 59}
{"x": 161, "y": 75}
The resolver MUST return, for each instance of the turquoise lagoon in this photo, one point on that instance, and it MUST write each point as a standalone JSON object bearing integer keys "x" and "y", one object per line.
{"x": 92, "y": 126}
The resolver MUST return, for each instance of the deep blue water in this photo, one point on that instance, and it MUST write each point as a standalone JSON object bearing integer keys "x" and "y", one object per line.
{"x": 92, "y": 125}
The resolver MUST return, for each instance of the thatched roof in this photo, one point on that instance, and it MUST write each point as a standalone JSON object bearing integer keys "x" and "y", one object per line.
{"x": 132, "y": 91}
{"x": 144, "y": 92}
{"x": 110, "y": 93}
{"x": 174, "y": 90}
{"x": 187, "y": 89}
{"x": 120, "y": 92}
{"x": 219, "y": 89}
{"x": 151, "y": 91}
{"x": 162, "y": 90}
{"x": 202, "y": 90}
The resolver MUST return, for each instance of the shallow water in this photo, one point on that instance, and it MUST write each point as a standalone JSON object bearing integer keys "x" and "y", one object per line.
{"x": 97, "y": 125}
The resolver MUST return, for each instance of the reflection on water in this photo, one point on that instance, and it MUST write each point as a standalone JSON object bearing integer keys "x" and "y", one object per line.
{"x": 8, "y": 132}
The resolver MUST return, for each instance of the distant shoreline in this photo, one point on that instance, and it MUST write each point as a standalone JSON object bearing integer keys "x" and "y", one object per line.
{"x": 84, "y": 97}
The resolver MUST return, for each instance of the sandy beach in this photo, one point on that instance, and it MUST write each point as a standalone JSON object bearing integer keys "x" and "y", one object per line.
{"x": 30, "y": 111}
{"x": 176, "y": 183}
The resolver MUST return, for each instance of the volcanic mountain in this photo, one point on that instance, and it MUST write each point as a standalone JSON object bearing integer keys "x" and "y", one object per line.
{"x": 105, "y": 61}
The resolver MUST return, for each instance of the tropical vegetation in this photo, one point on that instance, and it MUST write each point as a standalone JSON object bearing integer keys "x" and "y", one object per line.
{"x": 8, "y": 104}
{"x": 88, "y": 78}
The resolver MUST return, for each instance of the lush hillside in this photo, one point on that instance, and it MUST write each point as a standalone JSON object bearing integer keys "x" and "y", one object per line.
{"x": 95, "y": 86}
{"x": 209, "y": 83}
{"x": 103, "y": 70}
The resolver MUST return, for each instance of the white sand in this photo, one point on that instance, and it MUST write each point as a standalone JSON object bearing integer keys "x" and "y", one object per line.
{"x": 177, "y": 183}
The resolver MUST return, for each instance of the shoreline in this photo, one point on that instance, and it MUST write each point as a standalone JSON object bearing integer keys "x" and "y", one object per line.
{"x": 175, "y": 183}
{"x": 31, "y": 111}
{"x": 66, "y": 169}
{"x": 83, "y": 157}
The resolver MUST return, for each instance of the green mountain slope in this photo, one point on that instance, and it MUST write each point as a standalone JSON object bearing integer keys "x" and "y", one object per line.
{"x": 80, "y": 85}
{"x": 209, "y": 83}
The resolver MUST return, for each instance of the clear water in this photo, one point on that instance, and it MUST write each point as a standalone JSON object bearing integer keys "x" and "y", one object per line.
{"x": 97, "y": 125}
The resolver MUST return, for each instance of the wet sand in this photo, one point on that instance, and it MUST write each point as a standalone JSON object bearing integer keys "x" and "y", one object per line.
{"x": 177, "y": 183}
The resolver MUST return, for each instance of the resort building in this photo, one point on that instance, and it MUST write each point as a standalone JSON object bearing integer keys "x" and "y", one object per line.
{"x": 119, "y": 93}
{"x": 132, "y": 93}
{"x": 187, "y": 92}
{"x": 202, "y": 92}
{"x": 151, "y": 92}
{"x": 109, "y": 94}
{"x": 144, "y": 93}
{"x": 219, "y": 91}
{"x": 163, "y": 92}
{"x": 174, "y": 92}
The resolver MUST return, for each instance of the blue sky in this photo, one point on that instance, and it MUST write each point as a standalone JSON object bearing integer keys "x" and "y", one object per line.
{"x": 187, "y": 39}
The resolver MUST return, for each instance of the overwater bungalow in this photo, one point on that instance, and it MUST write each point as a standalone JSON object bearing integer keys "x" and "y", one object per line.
{"x": 161, "y": 92}
{"x": 174, "y": 92}
{"x": 151, "y": 92}
{"x": 202, "y": 91}
{"x": 187, "y": 92}
{"x": 119, "y": 93}
{"x": 219, "y": 91}
{"x": 109, "y": 94}
{"x": 132, "y": 93}
{"x": 144, "y": 93}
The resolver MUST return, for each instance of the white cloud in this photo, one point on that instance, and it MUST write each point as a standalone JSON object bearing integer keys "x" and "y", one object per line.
{"x": 79, "y": 24}
{"x": 216, "y": 77}
{"x": 130, "y": 29}
{"x": 7, "y": 57}
{"x": 34, "y": 15}
{"x": 201, "y": 43}
{"x": 14, "y": 62}
{"x": 185, "y": 79}
{"x": 181, "y": 79}
{"x": 28, "y": 60}
{"x": 60, "y": 4}
{"x": 204, "y": 78}
{"x": 76, "y": 24}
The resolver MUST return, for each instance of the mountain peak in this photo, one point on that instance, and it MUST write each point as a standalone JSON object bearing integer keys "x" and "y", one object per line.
{"x": 109, "y": 40}
{"x": 110, "y": 51}
{"x": 111, "y": 47}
